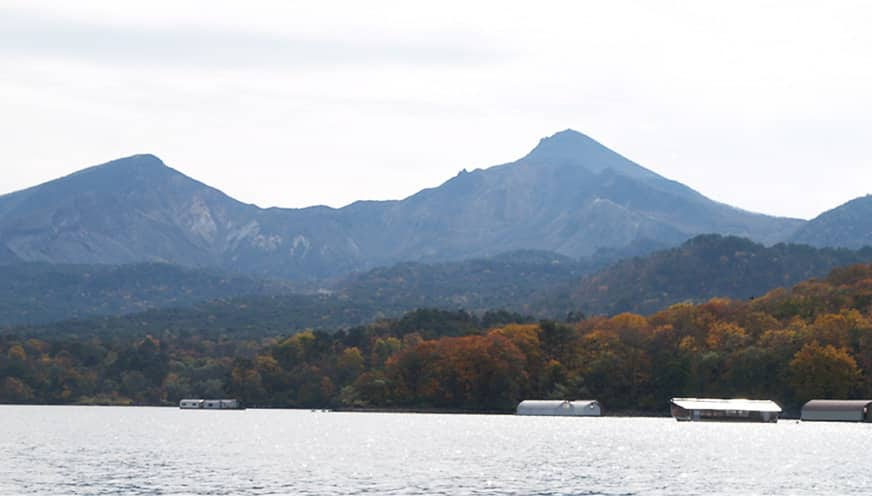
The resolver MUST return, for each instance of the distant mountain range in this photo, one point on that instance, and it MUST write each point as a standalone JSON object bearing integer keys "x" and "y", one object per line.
{"x": 570, "y": 227}
{"x": 570, "y": 195}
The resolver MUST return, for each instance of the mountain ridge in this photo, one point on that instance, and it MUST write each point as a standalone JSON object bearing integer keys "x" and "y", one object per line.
{"x": 570, "y": 195}
{"x": 849, "y": 225}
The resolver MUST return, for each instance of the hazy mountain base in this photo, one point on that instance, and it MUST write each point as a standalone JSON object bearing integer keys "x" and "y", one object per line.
{"x": 42, "y": 293}
{"x": 541, "y": 284}
{"x": 39, "y": 293}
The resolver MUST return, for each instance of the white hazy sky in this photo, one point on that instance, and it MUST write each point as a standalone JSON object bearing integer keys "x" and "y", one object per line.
{"x": 763, "y": 105}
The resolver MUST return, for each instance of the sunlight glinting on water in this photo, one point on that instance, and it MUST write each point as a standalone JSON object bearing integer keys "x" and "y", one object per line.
{"x": 114, "y": 450}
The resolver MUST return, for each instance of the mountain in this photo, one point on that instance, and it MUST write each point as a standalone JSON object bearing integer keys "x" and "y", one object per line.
{"x": 36, "y": 293}
{"x": 570, "y": 195}
{"x": 848, "y": 226}
{"x": 704, "y": 267}
{"x": 137, "y": 209}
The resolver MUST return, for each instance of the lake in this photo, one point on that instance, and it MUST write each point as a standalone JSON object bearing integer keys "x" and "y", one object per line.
{"x": 132, "y": 450}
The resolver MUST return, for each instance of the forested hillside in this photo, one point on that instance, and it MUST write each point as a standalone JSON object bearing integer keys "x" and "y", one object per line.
{"x": 704, "y": 267}
{"x": 811, "y": 341}
{"x": 38, "y": 293}
{"x": 508, "y": 280}
{"x": 238, "y": 317}
{"x": 543, "y": 284}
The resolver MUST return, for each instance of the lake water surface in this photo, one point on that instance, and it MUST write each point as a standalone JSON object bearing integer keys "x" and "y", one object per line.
{"x": 118, "y": 450}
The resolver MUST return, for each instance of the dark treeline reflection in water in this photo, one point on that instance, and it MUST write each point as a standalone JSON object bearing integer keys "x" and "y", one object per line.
{"x": 118, "y": 450}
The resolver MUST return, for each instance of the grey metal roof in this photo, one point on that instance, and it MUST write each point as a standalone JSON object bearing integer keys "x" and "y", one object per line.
{"x": 836, "y": 405}
{"x": 726, "y": 404}
{"x": 560, "y": 408}
{"x": 555, "y": 403}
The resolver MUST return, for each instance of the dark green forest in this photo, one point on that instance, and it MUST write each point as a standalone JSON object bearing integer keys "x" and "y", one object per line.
{"x": 39, "y": 293}
{"x": 704, "y": 267}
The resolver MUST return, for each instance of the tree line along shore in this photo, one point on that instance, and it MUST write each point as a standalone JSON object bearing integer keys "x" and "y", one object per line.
{"x": 810, "y": 341}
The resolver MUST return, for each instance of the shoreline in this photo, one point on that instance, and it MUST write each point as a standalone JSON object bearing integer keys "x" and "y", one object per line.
{"x": 445, "y": 411}
{"x": 431, "y": 411}
{"x": 460, "y": 411}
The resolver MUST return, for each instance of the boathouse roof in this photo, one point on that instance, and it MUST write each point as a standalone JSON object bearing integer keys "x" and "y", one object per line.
{"x": 727, "y": 404}
{"x": 559, "y": 407}
{"x": 831, "y": 405}
{"x": 556, "y": 403}
{"x": 856, "y": 410}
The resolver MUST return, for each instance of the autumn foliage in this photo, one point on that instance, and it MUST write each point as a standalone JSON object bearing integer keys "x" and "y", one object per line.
{"x": 811, "y": 341}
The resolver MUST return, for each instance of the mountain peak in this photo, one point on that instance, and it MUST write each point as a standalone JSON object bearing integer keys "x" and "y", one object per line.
{"x": 144, "y": 159}
{"x": 567, "y": 137}
{"x": 138, "y": 161}
{"x": 124, "y": 169}
{"x": 120, "y": 171}
{"x": 566, "y": 142}
{"x": 127, "y": 172}
{"x": 570, "y": 147}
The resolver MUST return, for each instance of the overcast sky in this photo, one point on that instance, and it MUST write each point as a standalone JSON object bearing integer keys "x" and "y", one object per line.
{"x": 766, "y": 106}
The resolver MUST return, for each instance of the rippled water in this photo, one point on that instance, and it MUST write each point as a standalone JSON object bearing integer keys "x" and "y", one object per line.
{"x": 116, "y": 450}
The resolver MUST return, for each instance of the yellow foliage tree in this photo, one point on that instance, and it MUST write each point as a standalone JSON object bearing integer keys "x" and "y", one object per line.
{"x": 726, "y": 336}
{"x": 16, "y": 352}
{"x": 350, "y": 364}
{"x": 823, "y": 372}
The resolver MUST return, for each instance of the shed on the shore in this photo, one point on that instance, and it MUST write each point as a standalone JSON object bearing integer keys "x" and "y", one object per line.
{"x": 736, "y": 410}
{"x": 838, "y": 410}
{"x": 200, "y": 404}
{"x": 560, "y": 408}
{"x": 191, "y": 404}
